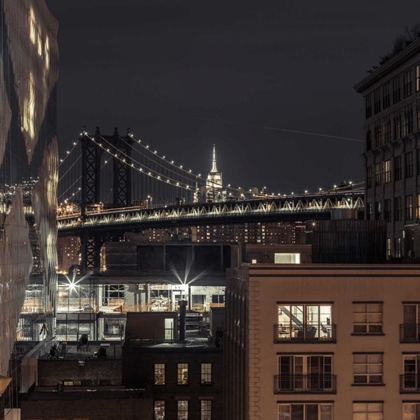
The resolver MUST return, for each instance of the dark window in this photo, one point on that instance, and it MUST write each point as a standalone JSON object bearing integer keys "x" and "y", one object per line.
{"x": 408, "y": 122}
{"x": 397, "y": 126}
{"x": 418, "y": 206}
{"x": 409, "y": 165}
{"x": 369, "y": 176}
{"x": 396, "y": 90}
{"x": 417, "y": 78}
{"x": 387, "y": 210}
{"x": 369, "y": 211}
{"x": 398, "y": 247}
{"x": 397, "y": 168}
{"x": 377, "y": 101}
{"x": 368, "y": 104}
{"x": 378, "y": 174}
{"x": 408, "y": 83}
{"x": 378, "y": 134}
{"x": 397, "y": 209}
{"x": 368, "y": 141}
{"x": 409, "y": 207}
{"x": 367, "y": 369}
{"x": 386, "y": 95}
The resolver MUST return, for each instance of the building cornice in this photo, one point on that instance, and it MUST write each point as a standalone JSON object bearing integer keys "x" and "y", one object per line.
{"x": 391, "y": 65}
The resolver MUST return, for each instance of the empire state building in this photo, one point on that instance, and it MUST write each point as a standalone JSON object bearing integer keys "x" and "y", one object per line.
{"x": 214, "y": 186}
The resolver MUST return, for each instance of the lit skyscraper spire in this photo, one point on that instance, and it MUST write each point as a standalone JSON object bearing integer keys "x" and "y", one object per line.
{"x": 214, "y": 185}
{"x": 214, "y": 167}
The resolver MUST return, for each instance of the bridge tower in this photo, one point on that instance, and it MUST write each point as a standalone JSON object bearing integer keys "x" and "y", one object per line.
{"x": 122, "y": 170}
{"x": 91, "y": 194}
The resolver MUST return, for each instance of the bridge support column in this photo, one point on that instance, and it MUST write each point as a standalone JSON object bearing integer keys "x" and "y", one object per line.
{"x": 91, "y": 169}
{"x": 122, "y": 169}
{"x": 91, "y": 252}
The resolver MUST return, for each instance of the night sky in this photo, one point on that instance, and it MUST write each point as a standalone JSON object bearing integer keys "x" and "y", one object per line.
{"x": 171, "y": 71}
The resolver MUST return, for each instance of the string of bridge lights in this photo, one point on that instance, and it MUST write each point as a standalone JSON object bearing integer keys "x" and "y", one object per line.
{"x": 168, "y": 180}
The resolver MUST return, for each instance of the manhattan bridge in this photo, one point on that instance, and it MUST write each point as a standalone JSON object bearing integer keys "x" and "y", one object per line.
{"x": 113, "y": 184}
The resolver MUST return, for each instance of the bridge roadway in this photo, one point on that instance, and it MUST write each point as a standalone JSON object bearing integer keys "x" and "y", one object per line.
{"x": 281, "y": 209}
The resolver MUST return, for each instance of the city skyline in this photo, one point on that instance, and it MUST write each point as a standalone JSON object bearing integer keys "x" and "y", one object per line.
{"x": 174, "y": 72}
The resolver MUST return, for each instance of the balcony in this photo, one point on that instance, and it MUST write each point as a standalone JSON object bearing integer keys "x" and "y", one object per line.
{"x": 305, "y": 333}
{"x": 410, "y": 333}
{"x": 409, "y": 383}
{"x": 324, "y": 384}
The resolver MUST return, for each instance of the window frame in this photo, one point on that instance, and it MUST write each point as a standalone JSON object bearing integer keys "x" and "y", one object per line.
{"x": 182, "y": 412}
{"x": 181, "y": 378}
{"x": 368, "y": 312}
{"x": 304, "y": 404}
{"x": 206, "y": 409}
{"x": 156, "y": 404}
{"x": 368, "y": 362}
{"x": 369, "y": 404}
{"x": 157, "y": 373}
{"x": 409, "y": 207}
{"x": 206, "y": 374}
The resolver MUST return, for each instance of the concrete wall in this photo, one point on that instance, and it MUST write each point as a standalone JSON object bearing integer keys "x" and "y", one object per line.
{"x": 98, "y": 409}
{"x": 53, "y": 372}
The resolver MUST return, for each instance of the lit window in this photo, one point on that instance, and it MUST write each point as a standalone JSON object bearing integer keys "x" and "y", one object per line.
{"x": 283, "y": 258}
{"x": 368, "y": 411}
{"x": 367, "y": 318}
{"x": 182, "y": 412}
{"x": 205, "y": 409}
{"x": 367, "y": 369}
{"x": 205, "y": 373}
{"x": 159, "y": 410}
{"x": 159, "y": 374}
{"x": 182, "y": 374}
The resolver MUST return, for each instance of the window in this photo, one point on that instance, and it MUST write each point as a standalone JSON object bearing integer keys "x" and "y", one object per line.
{"x": 182, "y": 373}
{"x": 159, "y": 374}
{"x": 367, "y": 318}
{"x": 397, "y": 126}
{"x": 377, "y": 101}
{"x": 387, "y": 210}
{"x": 368, "y": 106}
{"x": 411, "y": 378}
{"x": 378, "y": 174}
{"x": 305, "y": 322}
{"x": 417, "y": 77}
{"x": 409, "y": 214}
{"x": 286, "y": 258}
{"x": 397, "y": 168}
{"x": 369, "y": 177}
{"x": 369, "y": 211}
{"x": 398, "y": 248}
{"x": 396, "y": 90}
{"x": 387, "y": 130}
{"x": 387, "y": 171}
{"x": 182, "y": 411}
{"x": 418, "y": 118}
{"x": 367, "y": 369}
{"x": 409, "y": 165}
{"x": 408, "y": 122}
{"x": 408, "y": 83}
{"x": 205, "y": 373}
{"x": 159, "y": 410}
{"x": 411, "y": 319}
{"x": 378, "y": 134}
{"x": 418, "y": 206}
{"x": 305, "y": 373}
{"x": 368, "y": 411}
{"x": 368, "y": 140}
{"x": 378, "y": 210}
{"x": 205, "y": 409}
{"x": 386, "y": 95}
{"x": 388, "y": 248}
{"x": 305, "y": 411}
{"x": 397, "y": 209}
{"x": 411, "y": 411}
